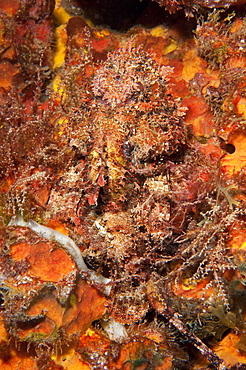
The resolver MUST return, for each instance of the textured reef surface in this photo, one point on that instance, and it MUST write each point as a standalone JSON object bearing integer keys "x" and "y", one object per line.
{"x": 122, "y": 186}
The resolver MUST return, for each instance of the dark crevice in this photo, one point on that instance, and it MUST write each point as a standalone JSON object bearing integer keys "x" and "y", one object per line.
{"x": 121, "y": 15}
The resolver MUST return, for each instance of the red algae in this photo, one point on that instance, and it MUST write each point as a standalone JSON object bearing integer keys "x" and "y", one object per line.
{"x": 173, "y": 5}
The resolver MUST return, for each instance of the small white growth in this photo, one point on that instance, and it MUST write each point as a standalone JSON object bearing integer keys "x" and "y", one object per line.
{"x": 99, "y": 279}
{"x": 115, "y": 330}
{"x": 158, "y": 184}
{"x": 102, "y": 230}
{"x": 67, "y": 244}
